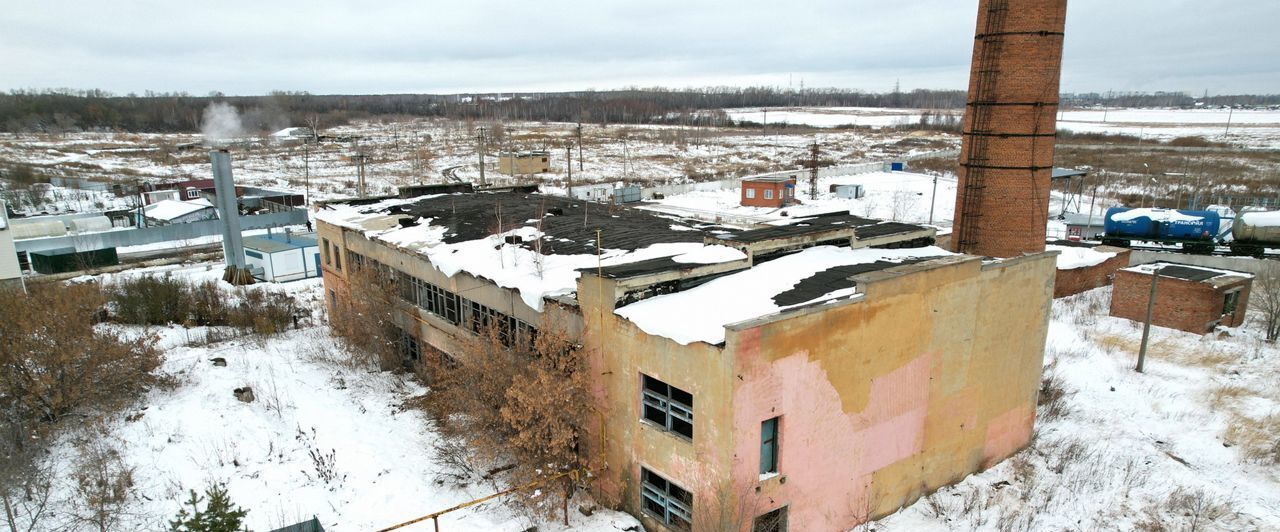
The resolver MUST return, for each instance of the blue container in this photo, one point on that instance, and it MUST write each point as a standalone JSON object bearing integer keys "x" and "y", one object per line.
{"x": 898, "y": 167}
{"x": 1161, "y": 224}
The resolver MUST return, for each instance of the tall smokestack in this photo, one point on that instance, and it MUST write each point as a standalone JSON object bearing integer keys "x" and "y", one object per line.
{"x": 228, "y": 208}
{"x": 1010, "y": 125}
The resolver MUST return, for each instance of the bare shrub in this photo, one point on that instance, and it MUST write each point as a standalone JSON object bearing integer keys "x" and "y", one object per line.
{"x": 1054, "y": 400}
{"x": 518, "y": 406}
{"x": 1264, "y": 297}
{"x": 103, "y": 487}
{"x": 366, "y": 324}
{"x": 1196, "y": 506}
{"x": 1257, "y": 437}
{"x": 54, "y": 361}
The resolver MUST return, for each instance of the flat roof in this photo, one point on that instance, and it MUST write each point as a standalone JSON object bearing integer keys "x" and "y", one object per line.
{"x": 1186, "y": 272}
{"x": 821, "y": 223}
{"x": 770, "y": 178}
{"x": 278, "y": 242}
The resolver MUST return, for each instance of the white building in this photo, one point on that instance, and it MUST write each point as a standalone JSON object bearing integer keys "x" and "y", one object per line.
{"x": 167, "y": 212}
{"x": 282, "y": 257}
{"x": 9, "y": 269}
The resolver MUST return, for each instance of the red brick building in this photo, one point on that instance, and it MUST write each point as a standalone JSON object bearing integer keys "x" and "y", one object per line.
{"x": 1073, "y": 278}
{"x": 768, "y": 191}
{"x": 1188, "y": 298}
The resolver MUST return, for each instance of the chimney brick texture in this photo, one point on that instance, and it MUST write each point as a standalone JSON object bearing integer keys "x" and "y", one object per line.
{"x": 1010, "y": 125}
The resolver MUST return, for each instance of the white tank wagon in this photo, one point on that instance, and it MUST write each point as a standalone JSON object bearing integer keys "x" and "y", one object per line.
{"x": 92, "y": 224}
{"x": 24, "y": 229}
{"x": 1255, "y": 231}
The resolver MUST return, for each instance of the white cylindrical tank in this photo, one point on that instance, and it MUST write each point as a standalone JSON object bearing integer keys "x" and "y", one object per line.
{"x": 92, "y": 224}
{"x": 24, "y": 229}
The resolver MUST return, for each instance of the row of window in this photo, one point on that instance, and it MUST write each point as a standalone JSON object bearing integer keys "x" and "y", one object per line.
{"x": 331, "y": 254}
{"x": 768, "y": 193}
{"x": 673, "y": 505}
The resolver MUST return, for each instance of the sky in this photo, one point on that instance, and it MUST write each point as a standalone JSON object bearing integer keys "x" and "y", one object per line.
{"x": 430, "y": 46}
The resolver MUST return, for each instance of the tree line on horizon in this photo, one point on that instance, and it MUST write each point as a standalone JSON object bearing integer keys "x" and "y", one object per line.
{"x": 64, "y": 110}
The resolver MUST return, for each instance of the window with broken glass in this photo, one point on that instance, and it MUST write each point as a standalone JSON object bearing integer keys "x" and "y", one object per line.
{"x": 667, "y": 406}
{"x": 666, "y": 501}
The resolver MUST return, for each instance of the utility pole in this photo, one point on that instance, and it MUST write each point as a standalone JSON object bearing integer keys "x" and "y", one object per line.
{"x": 360, "y": 157}
{"x": 766, "y": 122}
{"x": 1230, "y": 111}
{"x": 482, "y": 156}
{"x": 813, "y": 170}
{"x": 933, "y": 200}
{"x": 306, "y": 174}
{"x": 579, "y": 146}
{"x": 568, "y": 164}
{"x": 1146, "y": 326}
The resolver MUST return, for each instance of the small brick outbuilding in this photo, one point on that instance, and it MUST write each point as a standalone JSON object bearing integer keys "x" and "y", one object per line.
{"x": 1188, "y": 298}
{"x": 768, "y": 191}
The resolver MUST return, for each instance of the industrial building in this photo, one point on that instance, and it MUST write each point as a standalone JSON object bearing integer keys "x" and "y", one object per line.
{"x": 768, "y": 191}
{"x": 282, "y": 257}
{"x": 524, "y": 162}
{"x": 1194, "y": 299}
{"x": 10, "y": 271}
{"x": 165, "y": 212}
{"x": 873, "y": 366}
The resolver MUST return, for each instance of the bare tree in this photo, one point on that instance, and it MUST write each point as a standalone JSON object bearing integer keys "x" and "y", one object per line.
{"x": 1264, "y": 297}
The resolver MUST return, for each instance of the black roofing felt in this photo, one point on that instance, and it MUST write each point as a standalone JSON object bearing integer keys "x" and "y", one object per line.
{"x": 1188, "y": 273}
{"x": 830, "y": 280}
{"x": 866, "y": 228}
{"x": 474, "y": 216}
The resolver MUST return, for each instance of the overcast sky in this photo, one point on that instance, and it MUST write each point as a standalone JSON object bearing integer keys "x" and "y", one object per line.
{"x": 326, "y": 47}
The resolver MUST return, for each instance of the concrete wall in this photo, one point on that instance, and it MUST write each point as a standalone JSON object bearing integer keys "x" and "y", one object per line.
{"x": 886, "y": 398}
{"x": 620, "y": 353}
{"x": 1077, "y": 280}
{"x": 1191, "y": 306}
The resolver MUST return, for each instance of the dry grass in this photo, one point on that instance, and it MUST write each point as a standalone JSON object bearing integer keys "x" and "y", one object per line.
{"x": 1258, "y": 438}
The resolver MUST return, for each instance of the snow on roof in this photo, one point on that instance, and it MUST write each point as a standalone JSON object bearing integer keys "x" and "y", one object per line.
{"x": 293, "y": 132}
{"x": 700, "y": 314}
{"x": 1168, "y": 269}
{"x": 494, "y": 257}
{"x": 1159, "y": 215}
{"x": 1072, "y": 257}
{"x": 171, "y": 209}
{"x": 1261, "y": 219}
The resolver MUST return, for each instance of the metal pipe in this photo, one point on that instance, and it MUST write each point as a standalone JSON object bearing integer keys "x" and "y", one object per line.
{"x": 228, "y": 208}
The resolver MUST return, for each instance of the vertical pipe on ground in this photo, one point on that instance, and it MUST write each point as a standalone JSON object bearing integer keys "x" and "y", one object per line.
{"x": 228, "y": 208}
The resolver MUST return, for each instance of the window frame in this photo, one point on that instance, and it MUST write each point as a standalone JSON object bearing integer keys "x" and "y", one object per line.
{"x": 751, "y": 192}
{"x": 769, "y": 443}
{"x": 777, "y": 515}
{"x": 768, "y": 193}
{"x": 193, "y": 193}
{"x": 675, "y": 412}
{"x": 1231, "y": 300}
{"x": 675, "y": 501}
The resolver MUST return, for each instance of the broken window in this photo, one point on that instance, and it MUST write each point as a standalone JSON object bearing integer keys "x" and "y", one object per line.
{"x": 769, "y": 446}
{"x": 325, "y": 250}
{"x": 667, "y": 406}
{"x": 775, "y": 521}
{"x": 408, "y": 346}
{"x": 337, "y": 258}
{"x": 1230, "y": 302}
{"x": 666, "y": 501}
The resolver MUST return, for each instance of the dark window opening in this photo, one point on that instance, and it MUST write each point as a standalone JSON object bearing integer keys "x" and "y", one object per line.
{"x": 775, "y": 521}
{"x": 1230, "y": 302}
{"x": 667, "y": 406}
{"x": 666, "y": 501}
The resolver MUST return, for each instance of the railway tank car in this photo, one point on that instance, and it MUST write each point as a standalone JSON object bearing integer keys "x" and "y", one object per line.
{"x": 1255, "y": 231}
{"x": 1195, "y": 231}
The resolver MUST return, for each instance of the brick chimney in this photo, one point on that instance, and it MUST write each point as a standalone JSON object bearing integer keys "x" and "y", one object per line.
{"x": 1010, "y": 124}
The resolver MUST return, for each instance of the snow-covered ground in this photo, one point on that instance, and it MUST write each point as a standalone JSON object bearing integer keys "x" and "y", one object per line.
{"x": 1168, "y": 449}
{"x": 424, "y": 150}
{"x": 198, "y": 432}
{"x": 1255, "y": 128}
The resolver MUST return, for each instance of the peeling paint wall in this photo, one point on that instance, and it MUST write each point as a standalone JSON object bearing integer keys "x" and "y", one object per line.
{"x": 889, "y": 397}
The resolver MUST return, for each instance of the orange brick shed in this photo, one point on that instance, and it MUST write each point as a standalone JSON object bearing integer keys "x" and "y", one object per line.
{"x": 768, "y": 191}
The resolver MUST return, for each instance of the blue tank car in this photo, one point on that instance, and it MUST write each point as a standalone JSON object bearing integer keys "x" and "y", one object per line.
{"x": 1194, "y": 230}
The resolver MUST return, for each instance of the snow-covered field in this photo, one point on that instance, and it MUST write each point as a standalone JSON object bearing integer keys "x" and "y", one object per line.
{"x": 1254, "y": 128}
{"x": 384, "y": 471}
{"x": 1168, "y": 449}
{"x": 424, "y": 151}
